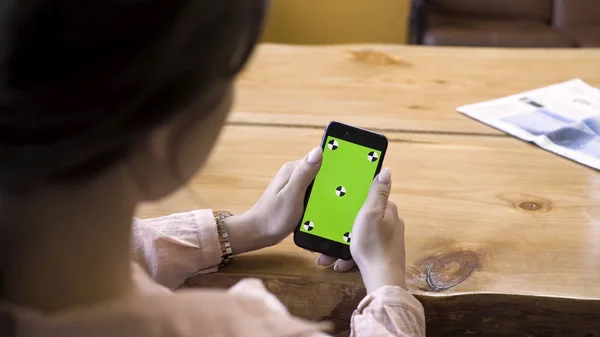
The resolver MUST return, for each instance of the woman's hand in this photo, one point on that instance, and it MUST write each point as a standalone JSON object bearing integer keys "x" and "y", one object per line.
{"x": 377, "y": 240}
{"x": 278, "y": 211}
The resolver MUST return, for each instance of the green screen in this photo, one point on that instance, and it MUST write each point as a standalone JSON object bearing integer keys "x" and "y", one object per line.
{"x": 340, "y": 189}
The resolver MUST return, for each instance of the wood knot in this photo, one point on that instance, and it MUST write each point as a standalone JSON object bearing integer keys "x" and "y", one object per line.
{"x": 377, "y": 58}
{"x": 526, "y": 202}
{"x": 530, "y": 205}
{"x": 446, "y": 270}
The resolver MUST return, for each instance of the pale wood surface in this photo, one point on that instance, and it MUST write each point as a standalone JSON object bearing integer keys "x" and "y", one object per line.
{"x": 396, "y": 87}
{"x": 461, "y": 200}
{"x": 503, "y": 238}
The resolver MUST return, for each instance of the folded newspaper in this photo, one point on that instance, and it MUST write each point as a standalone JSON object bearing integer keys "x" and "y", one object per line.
{"x": 563, "y": 118}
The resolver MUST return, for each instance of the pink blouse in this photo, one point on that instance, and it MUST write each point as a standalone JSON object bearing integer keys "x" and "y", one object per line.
{"x": 167, "y": 251}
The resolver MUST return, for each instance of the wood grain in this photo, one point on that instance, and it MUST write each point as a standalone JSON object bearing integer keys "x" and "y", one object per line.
{"x": 491, "y": 222}
{"x": 387, "y": 87}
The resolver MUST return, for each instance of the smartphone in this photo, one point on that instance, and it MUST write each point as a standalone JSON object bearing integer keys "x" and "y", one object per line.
{"x": 352, "y": 157}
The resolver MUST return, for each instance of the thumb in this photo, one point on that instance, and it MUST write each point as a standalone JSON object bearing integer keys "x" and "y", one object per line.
{"x": 380, "y": 190}
{"x": 306, "y": 171}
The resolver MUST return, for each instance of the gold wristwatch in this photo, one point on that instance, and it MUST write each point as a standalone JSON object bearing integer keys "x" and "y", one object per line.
{"x": 226, "y": 252}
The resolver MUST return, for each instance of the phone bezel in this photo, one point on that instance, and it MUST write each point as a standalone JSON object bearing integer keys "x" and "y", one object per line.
{"x": 351, "y": 134}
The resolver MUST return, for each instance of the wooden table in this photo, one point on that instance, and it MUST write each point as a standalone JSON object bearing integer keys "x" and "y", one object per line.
{"x": 503, "y": 238}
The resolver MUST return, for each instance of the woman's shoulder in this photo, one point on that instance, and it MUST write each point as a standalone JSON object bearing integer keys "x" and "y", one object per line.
{"x": 245, "y": 310}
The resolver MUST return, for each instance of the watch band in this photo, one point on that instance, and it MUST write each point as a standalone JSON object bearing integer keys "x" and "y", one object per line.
{"x": 226, "y": 251}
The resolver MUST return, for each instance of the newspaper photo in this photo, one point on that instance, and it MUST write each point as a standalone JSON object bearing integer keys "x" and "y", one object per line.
{"x": 563, "y": 118}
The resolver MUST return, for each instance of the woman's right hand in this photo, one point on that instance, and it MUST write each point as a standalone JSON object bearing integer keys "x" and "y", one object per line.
{"x": 377, "y": 244}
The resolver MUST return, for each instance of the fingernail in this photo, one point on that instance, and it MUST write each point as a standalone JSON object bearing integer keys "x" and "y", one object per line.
{"x": 318, "y": 260}
{"x": 336, "y": 267}
{"x": 314, "y": 157}
{"x": 385, "y": 176}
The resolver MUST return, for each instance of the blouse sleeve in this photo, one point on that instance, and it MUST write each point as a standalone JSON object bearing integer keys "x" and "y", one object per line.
{"x": 389, "y": 312}
{"x": 175, "y": 247}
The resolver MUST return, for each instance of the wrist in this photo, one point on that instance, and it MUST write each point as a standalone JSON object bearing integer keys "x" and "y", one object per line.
{"x": 376, "y": 276}
{"x": 244, "y": 233}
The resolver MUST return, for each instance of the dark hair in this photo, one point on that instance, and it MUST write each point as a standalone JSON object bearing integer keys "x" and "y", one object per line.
{"x": 82, "y": 81}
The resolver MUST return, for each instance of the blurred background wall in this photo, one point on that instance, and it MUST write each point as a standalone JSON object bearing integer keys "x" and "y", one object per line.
{"x": 485, "y": 23}
{"x": 337, "y": 21}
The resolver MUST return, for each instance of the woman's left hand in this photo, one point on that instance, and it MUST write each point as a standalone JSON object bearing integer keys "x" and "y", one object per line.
{"x": 279, "y": 210}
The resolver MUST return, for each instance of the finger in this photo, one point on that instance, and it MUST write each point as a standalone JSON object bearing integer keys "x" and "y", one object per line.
{"x": 305, "y": 172}
{"x": 283, "y": 176}
{"x": 391, "y": 212}
{"x": 380, "y": 190}
{"x": 344, "y": 265}
{"x": 391, "y": 209}
{"x": 324, "y": 260}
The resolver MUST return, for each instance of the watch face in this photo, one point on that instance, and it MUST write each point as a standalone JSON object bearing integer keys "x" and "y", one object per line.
{"x": 222, "y": 214}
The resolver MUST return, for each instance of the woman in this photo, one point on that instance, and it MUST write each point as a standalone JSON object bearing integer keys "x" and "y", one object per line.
{"x": 108, "y": 104}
